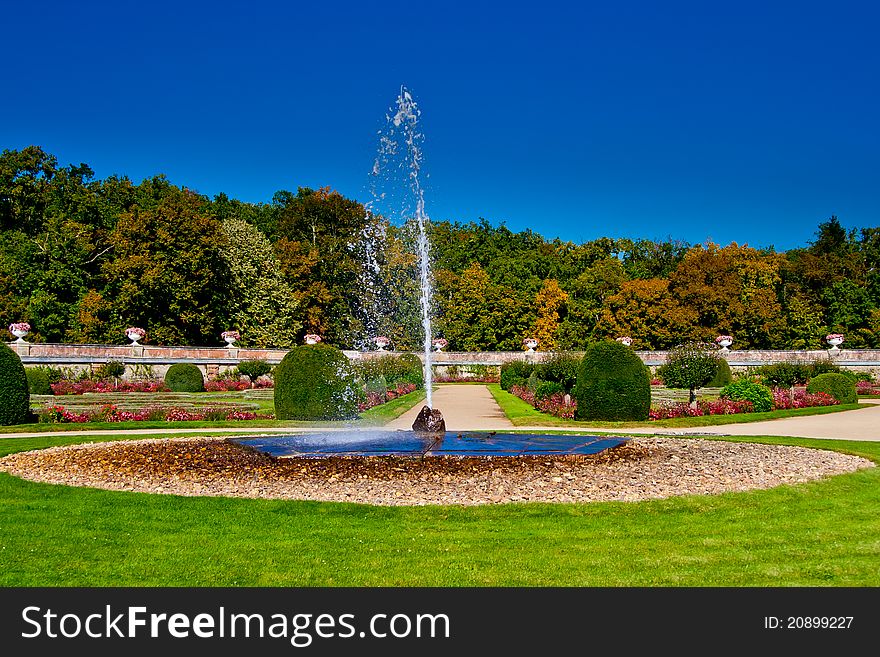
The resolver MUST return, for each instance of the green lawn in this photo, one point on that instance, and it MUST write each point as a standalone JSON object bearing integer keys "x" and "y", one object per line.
{"x": 522, "y": 413}
{"x": 822, "y": 533}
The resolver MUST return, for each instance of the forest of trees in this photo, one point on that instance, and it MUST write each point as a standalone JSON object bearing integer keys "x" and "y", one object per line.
{"x": 82, "y": 259}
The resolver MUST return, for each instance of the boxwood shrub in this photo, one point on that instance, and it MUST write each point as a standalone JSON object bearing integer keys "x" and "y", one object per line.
{"x": 316, "y": 382}
{"x": 14, "y": 396}
{"x": 612, "y": 384}
{"x": 839, "y": 386}
{"x": 759, "y": 395}
{"x": 185, "y": 377}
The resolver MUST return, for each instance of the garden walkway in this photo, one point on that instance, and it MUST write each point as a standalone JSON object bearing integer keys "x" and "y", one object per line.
{"x": 465, "y": 408}
{"x": 472, "y": 407}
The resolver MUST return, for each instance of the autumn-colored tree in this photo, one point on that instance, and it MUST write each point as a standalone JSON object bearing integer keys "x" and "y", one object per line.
{"x": 646, "y": 311}
{"x": 549, "y": 302}
{"x": 733, "y": 291}
{"x": 319, "y": 233}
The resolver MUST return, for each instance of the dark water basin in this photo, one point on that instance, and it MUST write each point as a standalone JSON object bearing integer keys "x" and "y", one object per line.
{"x": 407, "y": 443}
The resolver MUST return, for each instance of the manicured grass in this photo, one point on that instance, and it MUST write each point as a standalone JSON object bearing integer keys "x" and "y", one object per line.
{"x": 821, "y": 533}
{"x": 522, "y": 413}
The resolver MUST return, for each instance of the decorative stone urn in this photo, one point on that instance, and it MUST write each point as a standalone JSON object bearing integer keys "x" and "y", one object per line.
{"x": 134, "y": 334}
{"x": 381, "y": 342}
{"x": 625, "y": 339}
{"x": 835, "y": 340}
{"x": 19, "y": 330}
{"x": 439, "y": 344}
{"x": 230, "y": 337}
{"x": 312, "y": 338}
{"x": 724, "y": 341}
{"x": 530, "y": 344}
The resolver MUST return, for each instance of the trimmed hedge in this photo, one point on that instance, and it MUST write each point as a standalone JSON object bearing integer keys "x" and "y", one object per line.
{"x": 38, "y": 381}
{"x": 722, "y": 376}
{"x": 839, "y": 386}
{"x": 14, "y": 396}
{"x": 612, "y": 384}
{"x": 185, "y": 377}
{"x": 760, "y": 395}
{"x": 316, "y": 382}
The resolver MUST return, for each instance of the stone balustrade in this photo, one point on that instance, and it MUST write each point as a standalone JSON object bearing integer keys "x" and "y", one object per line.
{"x": 213, "y": 360}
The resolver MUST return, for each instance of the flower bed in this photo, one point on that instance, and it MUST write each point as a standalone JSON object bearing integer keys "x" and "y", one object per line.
{"x": 563, "y": 406}
{"x": 377, "y": 398}
{"x": 558, "y": 404}
{"x": 57, "y": 414}
{"x": 87, "y": 385}
{"x": 226, "y": 385}
{"x": 784, "y": 398}
{"x": 867, "y": 388}
{"x": 703, "y": 407}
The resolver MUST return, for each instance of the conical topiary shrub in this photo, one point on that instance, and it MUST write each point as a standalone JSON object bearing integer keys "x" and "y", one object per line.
{"x": 315, "y": 382}
{"x": 14, "y": 395}
{"x": 612, "y": 384}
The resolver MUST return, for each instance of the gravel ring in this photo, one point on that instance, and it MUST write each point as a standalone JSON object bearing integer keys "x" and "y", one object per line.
{"x": 641, "y": 469}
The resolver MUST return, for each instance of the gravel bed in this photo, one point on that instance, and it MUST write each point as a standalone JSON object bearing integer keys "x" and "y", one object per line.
{"x": 642, "y": 469}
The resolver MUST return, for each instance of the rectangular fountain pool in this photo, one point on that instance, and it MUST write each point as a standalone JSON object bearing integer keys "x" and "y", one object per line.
{"x": 407, "y": 443}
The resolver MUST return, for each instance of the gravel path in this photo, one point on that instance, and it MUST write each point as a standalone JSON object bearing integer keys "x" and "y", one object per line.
{"x": 645, "y": 468}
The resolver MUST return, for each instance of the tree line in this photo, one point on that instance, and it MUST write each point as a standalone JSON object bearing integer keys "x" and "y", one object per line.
{"x": 82, "y": 258}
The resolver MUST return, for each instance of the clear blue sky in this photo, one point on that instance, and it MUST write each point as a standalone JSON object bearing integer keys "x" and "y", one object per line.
{"x": 746, "y": 121}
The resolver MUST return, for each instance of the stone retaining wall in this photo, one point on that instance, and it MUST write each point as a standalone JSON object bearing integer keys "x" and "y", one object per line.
{"x": 213, "y": 360}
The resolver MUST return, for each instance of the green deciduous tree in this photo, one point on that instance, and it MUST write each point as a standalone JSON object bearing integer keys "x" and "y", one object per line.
{"x": 261, "y": 305}
{"x": 167, "y": 274}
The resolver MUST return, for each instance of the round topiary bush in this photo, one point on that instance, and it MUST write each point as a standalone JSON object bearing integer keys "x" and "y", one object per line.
{"x": 839, "y": 386}
{"x": 722, "y": 375}
{"x": 759, "y": 395}
{"x": 38, "y": 381}
{"x": 185, "y": 377}
{"x": 612, "y": 384}
{"x": 315, "y": 382}
{"x": 14, "y": 396}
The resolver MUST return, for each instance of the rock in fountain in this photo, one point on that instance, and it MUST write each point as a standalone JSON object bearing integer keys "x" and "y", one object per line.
{"x": 430, "y": 421}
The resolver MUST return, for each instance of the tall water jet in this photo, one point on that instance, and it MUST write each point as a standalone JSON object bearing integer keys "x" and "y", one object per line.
{"x": 400, "y": 152}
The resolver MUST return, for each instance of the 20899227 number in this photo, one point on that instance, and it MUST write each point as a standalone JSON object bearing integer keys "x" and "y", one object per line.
{"x": 808, "y": 622}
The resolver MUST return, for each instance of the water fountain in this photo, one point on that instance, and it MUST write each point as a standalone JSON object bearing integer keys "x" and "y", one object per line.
{"x": 398, "y": 194}
{"x": 400, "y": 155}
